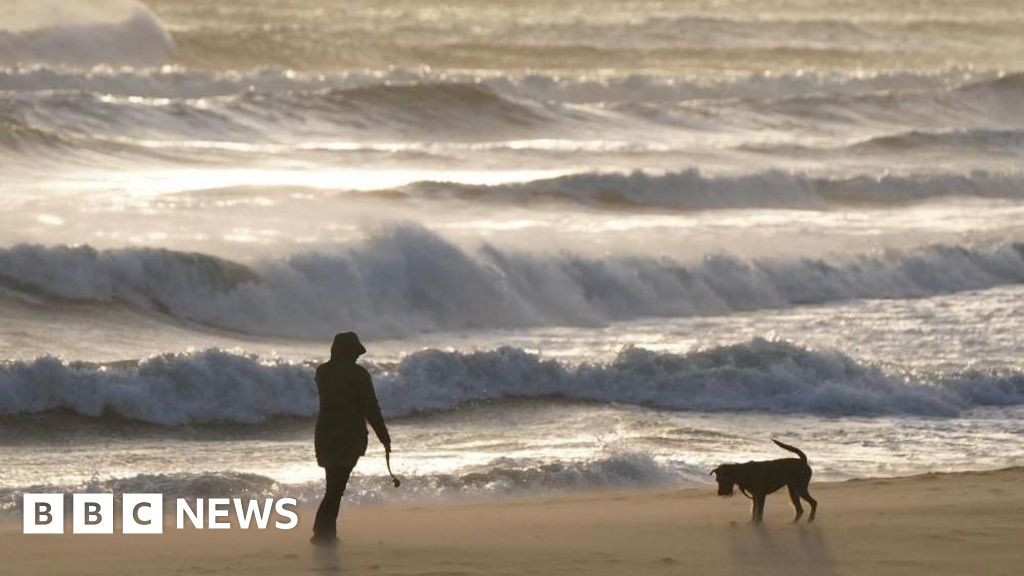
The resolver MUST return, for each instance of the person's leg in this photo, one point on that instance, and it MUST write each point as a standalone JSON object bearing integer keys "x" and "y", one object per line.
{"x": 325, "y": 527}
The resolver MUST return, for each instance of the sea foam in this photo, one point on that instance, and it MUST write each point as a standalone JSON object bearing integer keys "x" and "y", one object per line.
{"x": 380, "y": 284}
{"x": 499, "y": 477}
{"x": 120, "y": 33}
{"x": 215, "y": 386}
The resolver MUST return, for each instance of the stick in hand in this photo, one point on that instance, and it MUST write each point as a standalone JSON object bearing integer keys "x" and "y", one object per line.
{"x": 387, "y": 457}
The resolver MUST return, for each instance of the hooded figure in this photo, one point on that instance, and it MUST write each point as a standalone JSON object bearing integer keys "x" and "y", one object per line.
{"x": 347, "y": 403}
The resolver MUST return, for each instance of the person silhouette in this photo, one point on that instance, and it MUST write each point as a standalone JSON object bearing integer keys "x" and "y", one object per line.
{"x": 347, "y": 403}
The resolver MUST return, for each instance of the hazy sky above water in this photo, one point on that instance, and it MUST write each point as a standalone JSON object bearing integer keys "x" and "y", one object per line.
{"x": 35, "y": 14}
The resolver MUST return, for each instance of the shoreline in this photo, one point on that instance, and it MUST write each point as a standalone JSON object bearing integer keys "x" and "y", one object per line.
{"x": 938, "y": 523}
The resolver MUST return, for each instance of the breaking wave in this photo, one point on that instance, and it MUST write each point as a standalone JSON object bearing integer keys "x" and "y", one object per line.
{"x": 963, "y": 141}
{"x": 274, "y": 106}
{"x": 378, "y": 285}
{"x": 692, "y": 190}
{"x": 177, "y": 82}
{"x": 214, "y": 386}
{"x": 500, "y": 477}
{"x": 785, "y": 93}
{"x": 390, "y": 113}
{"x": 129, "y": 35}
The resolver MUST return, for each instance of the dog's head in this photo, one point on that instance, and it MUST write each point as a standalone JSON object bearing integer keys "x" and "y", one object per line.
{"x": 725, "y": 475}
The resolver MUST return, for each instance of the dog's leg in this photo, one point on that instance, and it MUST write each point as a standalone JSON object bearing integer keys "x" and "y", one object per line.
{"x": 814, "y": 503}
{"x": 795, "y": 498}
{"x": 758, "y": 514}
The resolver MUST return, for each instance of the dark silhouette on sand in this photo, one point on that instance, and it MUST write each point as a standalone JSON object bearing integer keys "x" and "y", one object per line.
{"x": 347, "y": 403}
{"x": 756, "y": 480}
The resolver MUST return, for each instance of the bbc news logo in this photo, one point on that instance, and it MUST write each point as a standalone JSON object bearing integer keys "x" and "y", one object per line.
{"x": 144, "y": 513}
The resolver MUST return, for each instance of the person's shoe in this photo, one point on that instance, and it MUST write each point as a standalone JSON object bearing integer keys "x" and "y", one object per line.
{"x": 324, "y": 540}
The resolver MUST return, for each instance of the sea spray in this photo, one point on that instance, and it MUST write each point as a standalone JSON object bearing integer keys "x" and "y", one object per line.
{"x": 379, "y": 284}
{"x": 116, "y": 32}
{"x": 215, "y": 386}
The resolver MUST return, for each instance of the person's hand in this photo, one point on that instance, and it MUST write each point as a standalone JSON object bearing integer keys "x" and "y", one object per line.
{"x": 387, "y": 447}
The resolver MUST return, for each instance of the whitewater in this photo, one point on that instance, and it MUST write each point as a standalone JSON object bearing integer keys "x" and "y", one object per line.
{"x": 588, "y": 244}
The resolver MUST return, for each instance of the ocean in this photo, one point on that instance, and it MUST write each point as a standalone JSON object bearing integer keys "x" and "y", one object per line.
{"x": 588, "y": 243}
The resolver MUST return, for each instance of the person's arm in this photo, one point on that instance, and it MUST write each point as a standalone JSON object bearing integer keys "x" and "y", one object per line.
{"x": 371, "y": 409}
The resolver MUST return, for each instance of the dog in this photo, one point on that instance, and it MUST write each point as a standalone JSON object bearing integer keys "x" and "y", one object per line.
{"x": 756, "y": 480}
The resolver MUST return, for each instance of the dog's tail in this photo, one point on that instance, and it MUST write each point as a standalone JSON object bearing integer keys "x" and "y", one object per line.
{"x": 794, "y": 449}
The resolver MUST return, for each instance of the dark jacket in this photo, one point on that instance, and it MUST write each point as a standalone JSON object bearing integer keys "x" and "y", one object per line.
{"x": 347, "y": 403}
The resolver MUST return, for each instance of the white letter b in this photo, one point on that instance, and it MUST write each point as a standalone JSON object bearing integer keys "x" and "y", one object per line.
{"x": 42, "y": 513}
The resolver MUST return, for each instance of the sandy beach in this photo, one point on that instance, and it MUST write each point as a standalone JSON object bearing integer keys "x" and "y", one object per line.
{"x": 569, "y": 255}
{"x": 931, "y": 524}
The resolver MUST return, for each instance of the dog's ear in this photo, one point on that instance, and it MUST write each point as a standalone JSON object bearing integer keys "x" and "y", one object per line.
{"x": 714, "y": 472}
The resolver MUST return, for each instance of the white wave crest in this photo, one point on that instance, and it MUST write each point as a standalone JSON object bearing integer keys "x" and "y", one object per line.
{"x": 692, "y": 190}
{"x": 500, "y": 477}
{"x": 215, "y": 386}
{"x": 116, "y": 32}
{"x": 270, "y": 106}
{"x": 211, "y": 386}
{"x": 177, "y": 82}
{"x": 407, "y": 280}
